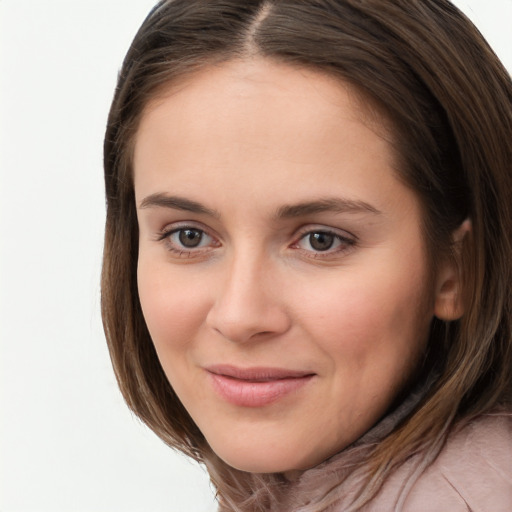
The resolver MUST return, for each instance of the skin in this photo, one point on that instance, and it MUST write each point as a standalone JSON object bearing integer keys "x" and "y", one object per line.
{"x": 246, "y": 140}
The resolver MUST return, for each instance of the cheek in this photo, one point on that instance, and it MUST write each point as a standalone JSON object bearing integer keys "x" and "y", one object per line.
{"x": 174, "y": 308}
{"x": 375, "y": 316}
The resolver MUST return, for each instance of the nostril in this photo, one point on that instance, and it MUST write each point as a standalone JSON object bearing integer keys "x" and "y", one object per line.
{"x": 255, "y": 325}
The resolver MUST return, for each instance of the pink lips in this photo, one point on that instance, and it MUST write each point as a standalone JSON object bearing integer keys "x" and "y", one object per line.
{"x": 255, "y": 387}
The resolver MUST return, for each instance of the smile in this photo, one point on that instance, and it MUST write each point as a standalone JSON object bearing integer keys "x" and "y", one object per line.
{"x": 255, "y": 387}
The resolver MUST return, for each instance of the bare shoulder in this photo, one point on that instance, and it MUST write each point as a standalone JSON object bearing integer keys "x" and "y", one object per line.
{"x": 473, "y": 472}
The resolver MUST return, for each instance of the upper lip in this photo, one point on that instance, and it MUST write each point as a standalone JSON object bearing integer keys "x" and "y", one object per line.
{"x": 258, "y": 373}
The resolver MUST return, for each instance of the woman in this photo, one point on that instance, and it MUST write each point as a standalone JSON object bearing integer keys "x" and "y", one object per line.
{"x": 307, "y": 275}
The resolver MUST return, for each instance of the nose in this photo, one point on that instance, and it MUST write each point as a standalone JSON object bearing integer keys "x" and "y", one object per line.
{"x": 248, "y": 303}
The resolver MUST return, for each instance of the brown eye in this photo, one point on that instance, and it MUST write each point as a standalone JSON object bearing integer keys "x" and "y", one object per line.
{"x": 188, "y": 242}
{"x": 326, "y": 243}
{"x": 190, "y": 238}
{"x": 321, "y": 241}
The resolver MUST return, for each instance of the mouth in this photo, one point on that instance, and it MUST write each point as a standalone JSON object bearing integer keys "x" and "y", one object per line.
{"x": 255, "y": 387}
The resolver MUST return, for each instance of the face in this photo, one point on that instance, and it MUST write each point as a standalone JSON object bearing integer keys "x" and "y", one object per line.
{"x": 282, "y": 271}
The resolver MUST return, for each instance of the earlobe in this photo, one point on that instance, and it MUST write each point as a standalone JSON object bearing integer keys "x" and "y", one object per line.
{"x": 449, "y": 303}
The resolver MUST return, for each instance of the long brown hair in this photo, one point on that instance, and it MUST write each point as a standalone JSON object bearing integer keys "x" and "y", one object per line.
{"x": 449, "y": 101}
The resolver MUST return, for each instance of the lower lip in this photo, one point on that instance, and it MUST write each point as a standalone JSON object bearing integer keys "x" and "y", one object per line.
{"x": 247, "y": 393}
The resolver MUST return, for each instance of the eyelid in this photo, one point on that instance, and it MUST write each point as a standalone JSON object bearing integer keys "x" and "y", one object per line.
{"x": 320, "y": 228}
{"x": 183, "y": 224}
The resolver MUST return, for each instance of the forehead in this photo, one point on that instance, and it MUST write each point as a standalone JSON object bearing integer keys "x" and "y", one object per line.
{"x": 235, "y": 83}
{"x": 238, "y": 108}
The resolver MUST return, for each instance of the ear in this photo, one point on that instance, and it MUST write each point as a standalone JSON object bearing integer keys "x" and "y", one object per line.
{"x": 448, "y": 300}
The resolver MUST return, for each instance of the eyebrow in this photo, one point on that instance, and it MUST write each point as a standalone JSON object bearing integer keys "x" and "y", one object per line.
{"x": 329, "y": 204}
{"x": 161, "y": 200}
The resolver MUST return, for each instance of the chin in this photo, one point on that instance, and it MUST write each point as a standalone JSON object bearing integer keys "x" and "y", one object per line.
{"x": 254, "y": 462}
{"x": 269, "y": 460}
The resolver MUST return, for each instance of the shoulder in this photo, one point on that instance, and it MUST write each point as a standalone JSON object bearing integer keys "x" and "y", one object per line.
{"x": 472, "y": 473}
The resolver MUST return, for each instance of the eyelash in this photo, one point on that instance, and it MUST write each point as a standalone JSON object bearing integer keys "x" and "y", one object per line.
{"x": 343, "y": 243}
{"x": 166, "y": 234}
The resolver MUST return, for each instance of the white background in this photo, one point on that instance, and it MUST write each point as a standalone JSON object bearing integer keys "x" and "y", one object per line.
{"x": 67, "y": 441}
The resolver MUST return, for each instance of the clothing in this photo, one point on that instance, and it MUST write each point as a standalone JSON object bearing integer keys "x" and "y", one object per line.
{"x": 473, "y": 473}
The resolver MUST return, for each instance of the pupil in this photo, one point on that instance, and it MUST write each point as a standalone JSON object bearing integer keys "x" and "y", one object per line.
{"x": 321, "y": 241}
{"x": 190, "y": 237}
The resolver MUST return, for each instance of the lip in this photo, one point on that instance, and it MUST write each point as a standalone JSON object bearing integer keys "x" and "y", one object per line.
{"x": 257, "y": 386}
